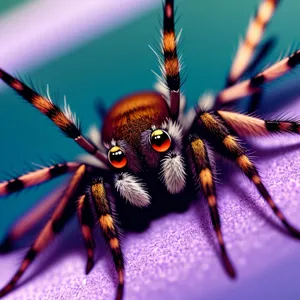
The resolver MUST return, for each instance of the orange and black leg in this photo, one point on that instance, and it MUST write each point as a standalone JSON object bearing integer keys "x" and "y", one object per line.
{"x": 31, "y": 219}
{"x": 53, "y": 227}
{"x": 254, "y": 35}
{"x": 248, "y": 55}
{"x": 36, "y": 177}
{"x": 254, "y": 85}
{"x": 103, "y": 208}
{"x": 63, "y": 119}
{"x": 204, "y": 175}
{"x": 86, "y": 222}
{"x": 234, "y": 151}
{"x": 171, "y": 60}
{"x": 28, "y": 180}
{"x": 247, "y": 126}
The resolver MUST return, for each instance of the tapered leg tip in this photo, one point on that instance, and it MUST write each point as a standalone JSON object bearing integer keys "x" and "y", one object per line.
{"x": 4, "y": 292}
{"x": 228, "y": 266}
{"x": 295, "y": 233}
{"x": 89, "y": 266}
{"x": 292, "y": 230}
{"x": 231, "y": 272}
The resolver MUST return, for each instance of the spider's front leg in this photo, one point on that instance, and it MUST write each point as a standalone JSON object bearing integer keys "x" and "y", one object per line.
{"x": 26, "y": 181}
{"x": 102, "y": 203}
{"x": 36, "y": 177}
{"x": 59, "y": 218}
{"x": 31, "y": 219}
{"x": 233, "y": 150}
{"x": 203, "y": 173}
{"x": 63, "y": 119}
{"x": 171, "y": 60}
{"x": 86, "y": 223}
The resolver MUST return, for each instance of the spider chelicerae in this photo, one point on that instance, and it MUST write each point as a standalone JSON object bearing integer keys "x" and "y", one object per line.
{"x": 150, "y": 132}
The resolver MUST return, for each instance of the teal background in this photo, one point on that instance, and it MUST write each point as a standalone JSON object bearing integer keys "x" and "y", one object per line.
{"x": 119, "y": 63}
{"x": 6, "y": 5}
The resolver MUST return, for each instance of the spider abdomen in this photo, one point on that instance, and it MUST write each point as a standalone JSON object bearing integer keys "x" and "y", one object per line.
{"x": 132, "y": 115}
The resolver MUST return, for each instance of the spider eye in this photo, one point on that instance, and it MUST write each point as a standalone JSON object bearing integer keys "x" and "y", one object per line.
{"x": 117, "y": 157}
{"x": 160, "y": 140}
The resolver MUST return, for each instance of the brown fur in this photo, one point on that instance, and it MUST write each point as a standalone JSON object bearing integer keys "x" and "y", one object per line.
{"x": 132, "y": 115}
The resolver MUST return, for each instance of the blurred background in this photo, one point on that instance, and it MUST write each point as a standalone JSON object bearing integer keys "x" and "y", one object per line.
{"x": 89, "y": 50}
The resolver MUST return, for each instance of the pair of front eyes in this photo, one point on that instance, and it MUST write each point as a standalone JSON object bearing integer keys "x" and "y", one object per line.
{"x": 160, "y": 141}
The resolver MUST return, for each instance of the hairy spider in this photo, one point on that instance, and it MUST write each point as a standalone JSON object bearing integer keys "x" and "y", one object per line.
{"x": 150, "y": 131}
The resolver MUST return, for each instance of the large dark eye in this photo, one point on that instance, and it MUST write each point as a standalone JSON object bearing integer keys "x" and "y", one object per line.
{"x": 160, "y": 140}
{"x": 117, "y": 157}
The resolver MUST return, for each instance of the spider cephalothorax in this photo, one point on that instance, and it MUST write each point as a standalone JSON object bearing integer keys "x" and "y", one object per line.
{"x": 140, "y": 129}
{"x": 150, "y": 132}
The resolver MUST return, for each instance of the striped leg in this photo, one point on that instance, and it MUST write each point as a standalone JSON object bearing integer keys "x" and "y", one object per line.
{"x": 247, "y": 126}
{"x": 110, "y": 231}
{"x": 204, "y": 175}
{"x": 86, "y": 221}
{"x": 246, "y": 60}
{"x": 253, "y": 37}
{"x": 63, "y": 119}
{"x": 259, "y": 57}
{"x": 171, "y": 61}
{"x": 253, "y": 85}
{"x": 36, "y": 177}
{"x": 31, "y": 219}
{"x": 54, "y": 226}
{"x": 237, "y": 153}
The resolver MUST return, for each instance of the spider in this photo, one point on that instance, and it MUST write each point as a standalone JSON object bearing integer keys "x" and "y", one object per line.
{"x": 150, "y": 132}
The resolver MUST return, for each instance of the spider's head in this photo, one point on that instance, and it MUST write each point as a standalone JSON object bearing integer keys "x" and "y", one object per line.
{"x": 137, "y": 131}
{"x": 162, "y": 149}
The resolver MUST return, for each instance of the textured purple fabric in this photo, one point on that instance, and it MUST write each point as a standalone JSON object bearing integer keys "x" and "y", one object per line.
{"x": 175, "y": 257}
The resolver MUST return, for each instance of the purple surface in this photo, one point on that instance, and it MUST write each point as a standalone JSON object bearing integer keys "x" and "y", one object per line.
{"x": 175, "y": 257}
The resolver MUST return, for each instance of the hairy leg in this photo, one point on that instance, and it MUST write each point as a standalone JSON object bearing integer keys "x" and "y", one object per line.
{"x": 107, "y": 222}
{"x": 205, "y": 179}
{"x": 54, "y": 226}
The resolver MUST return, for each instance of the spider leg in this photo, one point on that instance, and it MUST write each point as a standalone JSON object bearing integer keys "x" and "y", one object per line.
{"x": 32, "y": 218}
{"x": 253, "y": 37}
{"x": 63, "y": 119}
{"x": 171, "y": 60}
{"x": 103, "y": 208}
{"x": 237, "y": 153}
{"x": 205, "y": 178}
{"x": 36, "y": 177}
{"x": 54, "y": 226}
{"x": 253, "y": 85}
{"x": 246, "y": 126}
{"x": 85, "y": 218}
